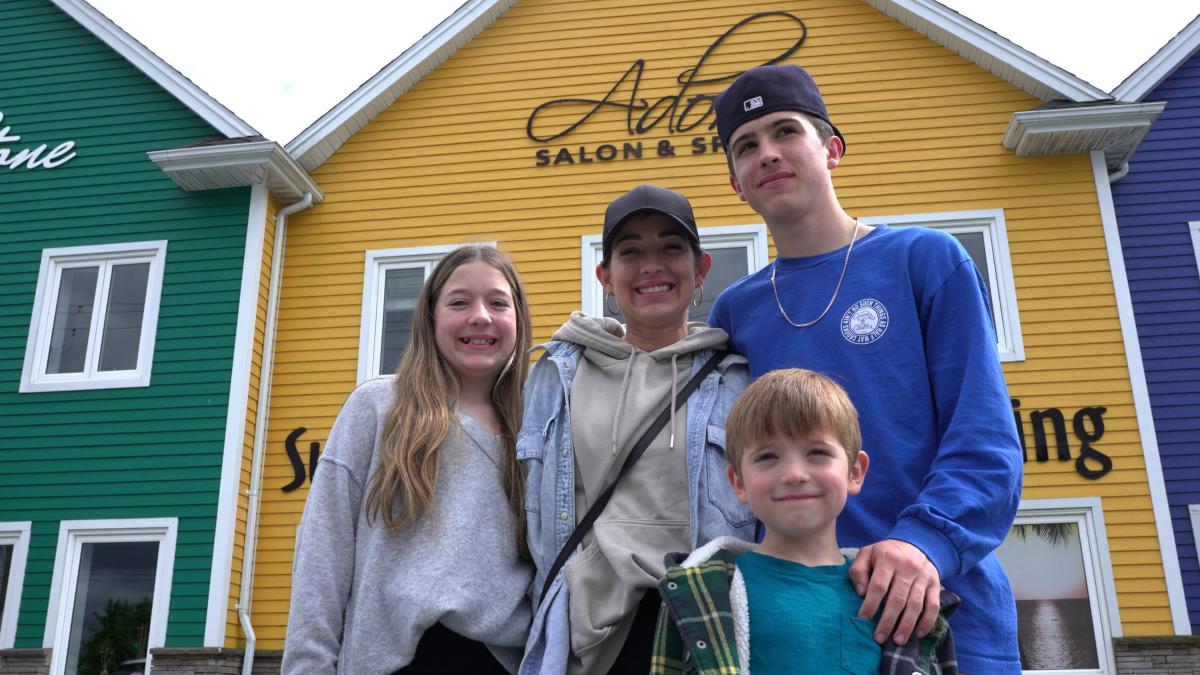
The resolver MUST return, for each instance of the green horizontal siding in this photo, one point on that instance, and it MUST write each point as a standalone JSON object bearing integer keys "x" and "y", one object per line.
{"x": 146, "y": 452}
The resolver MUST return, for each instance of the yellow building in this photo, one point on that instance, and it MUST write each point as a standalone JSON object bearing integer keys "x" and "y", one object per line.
{"x": 516, "y": 123}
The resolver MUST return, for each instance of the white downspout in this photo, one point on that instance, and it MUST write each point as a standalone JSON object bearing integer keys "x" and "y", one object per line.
{"x": 1119, "y": 173}
{"x": 260, "y": 428}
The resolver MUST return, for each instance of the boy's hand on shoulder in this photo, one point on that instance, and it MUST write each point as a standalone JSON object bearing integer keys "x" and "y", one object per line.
{"x": 899, "y": 576}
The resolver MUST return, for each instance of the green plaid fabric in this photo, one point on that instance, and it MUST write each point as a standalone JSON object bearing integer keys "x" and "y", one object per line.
{"x": 695, "y": 634}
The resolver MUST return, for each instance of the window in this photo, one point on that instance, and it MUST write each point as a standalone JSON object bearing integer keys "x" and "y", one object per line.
{"x": 1056, "y": 557}
{"x": 110, "y": 593}
{"x": 94, "y": 317}
{"x": 14, "y": 547}
{"x": 984, "y": 236}
{"x": 736, "y": 251}
{"x": 1194, "y": 230}
{"x": 391, "y": 281}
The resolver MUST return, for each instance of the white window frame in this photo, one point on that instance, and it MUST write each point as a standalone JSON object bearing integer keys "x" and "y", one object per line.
{"x": 15, "y": 534}
{"x": 1194, "y": 515}
{"x": 751, "y": 237}
{"x": 1194, "y": 230}
{"x": 33, "y": 375}
{"x": 376, "y": 266}
{"x": 989, "y": 223}
{"x": 72, "y": 535}
{"x": 1087, "y": 514}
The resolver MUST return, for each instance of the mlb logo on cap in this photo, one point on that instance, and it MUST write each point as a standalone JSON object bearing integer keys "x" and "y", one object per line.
{"x": 752, "y": 103}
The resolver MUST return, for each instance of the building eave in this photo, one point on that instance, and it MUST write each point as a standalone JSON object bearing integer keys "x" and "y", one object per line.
{"x": 196, "y": 99}
{"x": 990, "y": 51}
{"x": 1159, "y": 67}
{"x": 218, "y": 166}
{"x": 1116, "y": 129}
{"x": 320, "y": 140}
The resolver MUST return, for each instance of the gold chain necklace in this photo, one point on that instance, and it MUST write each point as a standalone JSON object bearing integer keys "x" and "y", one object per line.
{"x": 836, "y": 289}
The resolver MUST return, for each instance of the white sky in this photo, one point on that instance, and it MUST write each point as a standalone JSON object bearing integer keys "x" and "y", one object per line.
{"x": 281, "y": 64}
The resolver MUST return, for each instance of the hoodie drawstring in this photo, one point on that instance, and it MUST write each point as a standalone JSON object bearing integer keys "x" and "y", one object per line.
{"x": 621, "y": 400}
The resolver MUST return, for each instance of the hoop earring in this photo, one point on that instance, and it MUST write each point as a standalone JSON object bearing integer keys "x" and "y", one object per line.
{"x": 696, "y": 300}
{"x": 614, "y": 307}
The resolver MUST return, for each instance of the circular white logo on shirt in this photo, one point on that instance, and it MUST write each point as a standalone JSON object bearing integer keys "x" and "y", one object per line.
{"x": 865, "y": 321}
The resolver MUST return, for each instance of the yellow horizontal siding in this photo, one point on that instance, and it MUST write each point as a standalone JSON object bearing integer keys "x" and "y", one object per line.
{"x": 450, "y": 162}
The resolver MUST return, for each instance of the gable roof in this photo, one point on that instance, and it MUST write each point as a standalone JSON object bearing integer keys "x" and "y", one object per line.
{"x": 192, "y": 96}
{"x": 1160, "y": 66}
{"x": 948, "y": 28}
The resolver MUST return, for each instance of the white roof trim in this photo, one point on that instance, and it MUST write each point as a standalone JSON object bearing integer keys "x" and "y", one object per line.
{"x": 985, "y": 47}
{"x": 235, "y": 164}
{"x": 195, "y": 98}
{"x": 321, "y": 139}
{"x": 1115, "y": 129}
{"x": 1160, "y": 66}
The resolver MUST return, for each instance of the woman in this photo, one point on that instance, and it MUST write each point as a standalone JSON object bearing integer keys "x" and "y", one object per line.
{"x": 409, "y": 556}
{"x": 588, "y": 400}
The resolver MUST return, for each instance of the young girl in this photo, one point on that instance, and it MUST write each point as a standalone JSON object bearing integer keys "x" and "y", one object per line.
{"x": 411, "y": 556}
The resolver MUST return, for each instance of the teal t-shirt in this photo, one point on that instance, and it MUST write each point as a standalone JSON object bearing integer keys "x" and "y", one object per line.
{"x": 805, "y": 619}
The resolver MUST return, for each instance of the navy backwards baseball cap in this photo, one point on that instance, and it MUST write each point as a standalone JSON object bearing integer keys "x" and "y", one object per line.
{"x": 647, "y": 199}
{"x": 767, "y": 89}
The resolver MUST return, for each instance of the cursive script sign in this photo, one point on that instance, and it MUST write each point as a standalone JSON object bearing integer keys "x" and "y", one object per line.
{"x": 32, "y": 158}
{"x": 689, "y": 107}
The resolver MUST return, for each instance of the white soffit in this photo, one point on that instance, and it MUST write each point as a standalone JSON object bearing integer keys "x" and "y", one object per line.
{"x": 320, "y": 140}
{"x": 235, "y": 164}
{"x": 1117, "y": 129}
{"x": 989, "y": 50}
{"x": 195, "y": 98}
{"x": 1160, "y": 66}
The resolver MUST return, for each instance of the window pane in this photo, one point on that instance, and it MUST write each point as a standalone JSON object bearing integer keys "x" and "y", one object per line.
{"x": 123, "y": 321}
{"x": 1044, "y": 563}
{"x": 973, "y": 242}
{"x": 6, "y": 554}
{"x": 72, "y": 320}
{"x": 400, "y": 289}
{"x": 728, "y": 265}
{"x": 110, "y": 621}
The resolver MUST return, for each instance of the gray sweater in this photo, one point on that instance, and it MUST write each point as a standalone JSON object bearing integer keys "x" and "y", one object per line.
{"x": 362, "y": 595}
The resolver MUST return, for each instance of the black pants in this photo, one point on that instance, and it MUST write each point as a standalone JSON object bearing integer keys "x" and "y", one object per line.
{"x": 441, "y": 651}
{"x": 634, "y": 658}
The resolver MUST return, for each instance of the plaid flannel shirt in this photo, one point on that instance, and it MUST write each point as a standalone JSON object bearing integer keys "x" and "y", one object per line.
{"x": 695, "y": 633}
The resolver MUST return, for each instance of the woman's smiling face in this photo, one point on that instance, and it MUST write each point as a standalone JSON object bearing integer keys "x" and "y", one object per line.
{"x": 653, "y": 272}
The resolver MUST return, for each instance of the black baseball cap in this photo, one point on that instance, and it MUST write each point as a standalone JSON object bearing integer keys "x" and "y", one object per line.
{"x": 647, "y": 198}
{"x": 767, "y": 89}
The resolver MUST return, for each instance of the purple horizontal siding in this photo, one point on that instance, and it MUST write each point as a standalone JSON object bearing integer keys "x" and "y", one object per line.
{"x": 1154, "y": 204}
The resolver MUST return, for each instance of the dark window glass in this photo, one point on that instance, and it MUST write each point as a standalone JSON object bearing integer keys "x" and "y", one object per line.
{"x": 400, "y": 289}
{"x": 123, "y": 321}
{"x": 72, "y": 320}
{"x": 110, "y": 619}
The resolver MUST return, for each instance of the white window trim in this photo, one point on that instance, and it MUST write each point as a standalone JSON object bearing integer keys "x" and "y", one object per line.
{"x": 15, "y": 534}
{"x": 1088, "y": 515}
{"x": 1194, "y": 230}
{"x": 1194, "y": 515}
{"x": 377, "y": 263}
{"x": 72, "y": 534}
{"x": 33, "y": 375}
{"x": 989, "y": 222}
{"x": 752, "y": 237}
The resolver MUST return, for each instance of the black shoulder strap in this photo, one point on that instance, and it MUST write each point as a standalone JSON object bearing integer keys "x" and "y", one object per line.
{"x": 644, "y": 442}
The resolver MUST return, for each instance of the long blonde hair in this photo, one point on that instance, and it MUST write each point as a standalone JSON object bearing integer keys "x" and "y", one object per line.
{"x": 403, "y": 487}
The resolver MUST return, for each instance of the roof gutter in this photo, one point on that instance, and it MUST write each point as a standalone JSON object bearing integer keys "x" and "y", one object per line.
{"x": 253, "y": 501}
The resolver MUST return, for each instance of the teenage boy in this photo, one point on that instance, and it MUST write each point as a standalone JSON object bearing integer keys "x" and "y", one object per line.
{"x": 786, "y": 605}
{"x": 900, "y": 317}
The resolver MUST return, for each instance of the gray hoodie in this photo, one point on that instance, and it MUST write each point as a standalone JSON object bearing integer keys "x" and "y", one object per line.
{"x": 615, "y": 396}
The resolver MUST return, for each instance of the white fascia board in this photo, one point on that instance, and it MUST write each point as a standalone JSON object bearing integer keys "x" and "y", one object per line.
{"x": 1160, "y": 66}
{"x": 354, "y": 112}
{"x": 267, "y": 154}
{"x": 1079, "y": 119}
{"x": 192, "y": 96}
{"x": 967, "y": 34}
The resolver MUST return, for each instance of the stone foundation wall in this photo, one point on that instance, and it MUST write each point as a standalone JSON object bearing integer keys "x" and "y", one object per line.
{"x": 212, "y": 661}
{"x": 25, "y": 661}
{"x": 1175, "y": 655}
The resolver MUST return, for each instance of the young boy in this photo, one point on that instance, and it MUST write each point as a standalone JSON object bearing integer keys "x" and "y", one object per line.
{"x": 900, "y": 316}
{"x": 786, "y": 605}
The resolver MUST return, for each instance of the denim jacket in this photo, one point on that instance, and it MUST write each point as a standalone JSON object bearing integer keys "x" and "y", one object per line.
{"x": 544, "y": 447}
